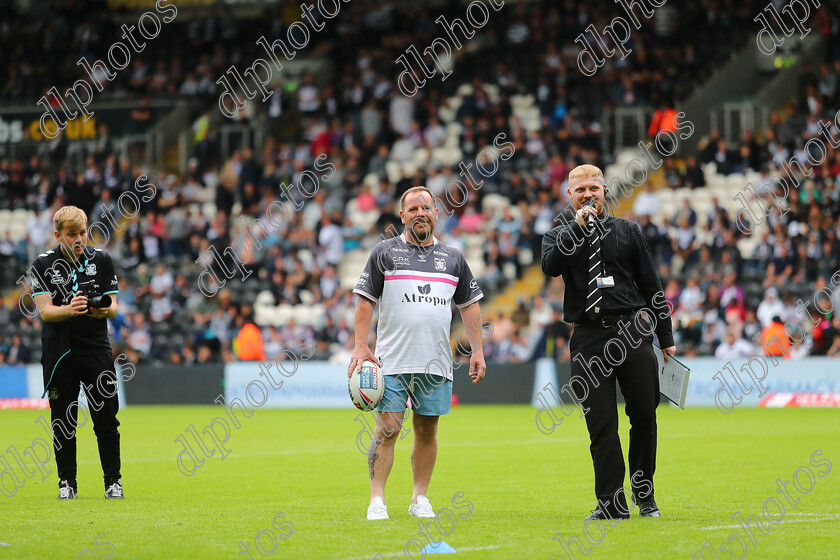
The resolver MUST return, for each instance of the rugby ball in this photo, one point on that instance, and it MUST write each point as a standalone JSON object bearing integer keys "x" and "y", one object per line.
{"x": 366, "y": 386}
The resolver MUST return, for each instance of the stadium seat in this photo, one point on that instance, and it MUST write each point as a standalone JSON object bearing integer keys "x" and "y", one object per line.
{"x": 283, "y": 313}
{"x": 306, "y": 297}
{"x": 351, "y": 209}
{"x": 736, "y": 182}
{"x": 492, "y": 91}
{"x": 474, "y": 240}
{"x": 709, "y": 169}
{"x": 681, "y": 194}
{"x": 522, "y": 100}
{"x": 701, "y": 207}
{"x": 305, "y": 255}
{"x": 421, "y": 157}
{"x": 700, "y": 196}
{"x": 392, "y": 169}
{"x": 264, "y": 299}
{"x": 509, "y": 271}
{"x": 208, "y": 209}
{"x": 477, "y": 267}
{"x": 366, "y": 220}
{"x": 465, "y": 89}
{"x": 495, "y": 201}
{"x": 371, "y": 180}
{"x": 448, "y": 113}
{"x": 667, "y": 197}
{"x": 447, "y": 156}
{"x": 17, "y": 231}
{"x": 262, "y": 316}
{"x": 453, "y": 132}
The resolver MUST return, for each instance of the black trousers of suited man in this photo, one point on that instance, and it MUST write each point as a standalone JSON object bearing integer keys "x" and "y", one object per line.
{"x": 638, "y": 379}
{"x": 72, "y": 373}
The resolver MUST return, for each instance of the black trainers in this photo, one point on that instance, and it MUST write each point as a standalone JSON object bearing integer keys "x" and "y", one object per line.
{"x": 65, "y": 491}
{"x": 115, "y": 491}
{"x": 648, "y": 508}
{"x": 601, "y": 514}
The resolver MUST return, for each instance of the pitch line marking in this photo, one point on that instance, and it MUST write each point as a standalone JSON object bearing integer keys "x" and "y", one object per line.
{"x": 823, "y": 517}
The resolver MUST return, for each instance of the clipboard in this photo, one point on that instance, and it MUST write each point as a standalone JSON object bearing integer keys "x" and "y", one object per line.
{"x": 673, "y": 378}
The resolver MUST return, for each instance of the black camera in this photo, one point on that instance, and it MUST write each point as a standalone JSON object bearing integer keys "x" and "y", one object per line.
{"x": 95, "y": 300}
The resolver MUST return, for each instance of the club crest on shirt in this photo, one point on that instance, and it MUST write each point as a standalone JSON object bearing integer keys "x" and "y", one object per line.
{"x": 56, "y": 277}
{"x": 90, "y": 269}
{"x": 440, "y": 264}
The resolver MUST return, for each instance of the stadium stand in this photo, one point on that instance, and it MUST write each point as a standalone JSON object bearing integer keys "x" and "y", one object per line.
{"x": 718, "y": 278}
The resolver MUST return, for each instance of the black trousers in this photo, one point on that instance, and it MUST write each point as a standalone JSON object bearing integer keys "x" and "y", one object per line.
{"x": 96, "y": 374}
{"x": 596, "y": 361}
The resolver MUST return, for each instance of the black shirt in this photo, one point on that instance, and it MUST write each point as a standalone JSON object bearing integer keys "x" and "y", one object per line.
{"x": 56, "y": 275}
{"x": 625, "y": 255}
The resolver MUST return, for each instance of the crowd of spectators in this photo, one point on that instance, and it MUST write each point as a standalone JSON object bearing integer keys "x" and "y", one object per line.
{"x": 361, "y": 124}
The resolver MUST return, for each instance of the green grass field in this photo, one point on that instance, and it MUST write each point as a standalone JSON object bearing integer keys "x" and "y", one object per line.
{"x": 524, "y": 488}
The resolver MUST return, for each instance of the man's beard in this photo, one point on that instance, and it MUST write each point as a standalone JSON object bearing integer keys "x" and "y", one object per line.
{"x": 420, "y": 234}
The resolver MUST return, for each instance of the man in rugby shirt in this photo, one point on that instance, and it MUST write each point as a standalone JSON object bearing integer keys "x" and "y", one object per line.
{"x": 76, "y": 349}
{"x": 416, "y": 278}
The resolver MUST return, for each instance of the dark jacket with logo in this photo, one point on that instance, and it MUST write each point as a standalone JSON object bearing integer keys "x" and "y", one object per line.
{"x": 52, "y": 273}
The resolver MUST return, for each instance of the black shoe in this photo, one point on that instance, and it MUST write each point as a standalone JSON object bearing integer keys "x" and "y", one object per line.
{"x": 648, "y": 508}
{"x": 600, "y": 513}
{"x": 65, "y": 491}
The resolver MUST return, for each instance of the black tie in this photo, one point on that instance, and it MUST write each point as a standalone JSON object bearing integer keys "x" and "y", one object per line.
{"x": 593, "y": 297}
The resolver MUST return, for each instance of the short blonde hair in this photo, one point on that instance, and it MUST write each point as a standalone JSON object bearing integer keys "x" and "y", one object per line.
{"x": 418, "y": 188}
{"x": 69, "y": 217}
{"x": 585, "y": 170}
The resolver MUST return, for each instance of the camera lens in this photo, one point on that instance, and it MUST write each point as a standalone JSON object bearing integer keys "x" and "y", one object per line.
{"x": 99, "y": 302}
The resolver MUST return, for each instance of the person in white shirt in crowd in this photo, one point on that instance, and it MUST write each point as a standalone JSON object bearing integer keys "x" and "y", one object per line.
{"x": 648, "y": 202}
{"x": 437, "y": 180}
{"x": 435, "y": 135}
{"x": 308, "y": 96}
{"x": 162, "y": 280}
{"x": 691, "y": 300}
{"x": 769, "y": 307}
{"x": 734, "y": 347}
{"x": 330, "y": 243}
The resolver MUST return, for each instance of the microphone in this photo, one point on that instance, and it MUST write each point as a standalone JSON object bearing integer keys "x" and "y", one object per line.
{"x": 590, "y": 204}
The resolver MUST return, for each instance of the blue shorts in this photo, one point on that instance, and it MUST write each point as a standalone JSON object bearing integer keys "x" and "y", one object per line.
{"x": 431, "y": 395}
